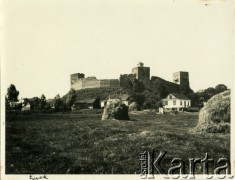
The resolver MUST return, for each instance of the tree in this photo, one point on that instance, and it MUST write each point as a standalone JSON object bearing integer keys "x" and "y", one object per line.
{"x": 210, "y": 92}
{"x": 150, "y": 99}
{"x": 7, "y": 104}
{"x": 36, "y": 102}
{"x": 194, "y": 99}
{"x": 205, "y": 95}
{"x": 42, "y": 101}
{"x": 58, "y": 103}
{"x": 138, "y": 98}
{"x": 220, "y": 88}
{"x": 12, "y": 93}
{"x": 159, "y": 90}
{"x": 138, "y": 86}
{"x": 70, "y": 98}
{"x": 125, "y": 82}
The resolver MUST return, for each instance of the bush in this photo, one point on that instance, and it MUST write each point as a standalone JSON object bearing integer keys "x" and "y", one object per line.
{"x": 191, "y": 109}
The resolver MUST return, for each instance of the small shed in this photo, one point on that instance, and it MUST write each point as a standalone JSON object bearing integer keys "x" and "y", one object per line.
{"x": 161, "y": 110}
{"x": 87, "y": 103}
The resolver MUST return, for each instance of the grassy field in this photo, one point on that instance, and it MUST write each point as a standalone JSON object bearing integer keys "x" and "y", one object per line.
{"x": 80, "y": 143}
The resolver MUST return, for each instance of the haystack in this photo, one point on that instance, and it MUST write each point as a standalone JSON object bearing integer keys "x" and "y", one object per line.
{"x": 115, "y": 110}
{"x": 214, "y": 117}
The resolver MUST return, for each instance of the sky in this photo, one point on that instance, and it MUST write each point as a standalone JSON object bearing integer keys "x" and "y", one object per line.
{"x": 44, "y": 41}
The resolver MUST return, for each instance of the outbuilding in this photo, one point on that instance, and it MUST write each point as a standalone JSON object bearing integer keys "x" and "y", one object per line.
{"x": 87, "y": 103}
{"x": 123, "y": 97}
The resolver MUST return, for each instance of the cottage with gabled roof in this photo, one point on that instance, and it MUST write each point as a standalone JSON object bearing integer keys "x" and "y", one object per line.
{"x": 87, "y": 103}
{"x": 176, "y": 101}
{"x": 123, "y": 97}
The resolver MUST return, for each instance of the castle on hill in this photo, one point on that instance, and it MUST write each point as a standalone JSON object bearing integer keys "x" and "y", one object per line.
{"x": 78, "y": 81}
{"x": 141, "y": 73}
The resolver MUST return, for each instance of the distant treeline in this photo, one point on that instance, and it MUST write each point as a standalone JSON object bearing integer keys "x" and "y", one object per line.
{"x": 146, "y": 98}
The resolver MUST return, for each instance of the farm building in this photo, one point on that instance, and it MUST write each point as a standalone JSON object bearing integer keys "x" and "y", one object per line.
{"x": 87, "y": 103}
{"x": 176, "y": 101}
{"x": 51, "y": 103}
{"x": 15, "y": 105}
{"x": 123, "y": 97}
{"x": 26, "y": 107}
{"x": 31, "y": 104}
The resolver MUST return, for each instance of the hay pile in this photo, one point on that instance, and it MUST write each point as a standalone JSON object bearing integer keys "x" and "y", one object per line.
{"x": 115, "y": 110}
{"x": 214, "y": 117}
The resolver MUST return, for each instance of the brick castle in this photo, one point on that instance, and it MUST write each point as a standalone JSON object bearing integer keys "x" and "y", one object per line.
{"x": 141, "y": 73}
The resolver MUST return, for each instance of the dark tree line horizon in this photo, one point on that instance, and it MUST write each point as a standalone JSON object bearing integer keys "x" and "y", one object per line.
{"x": 144, "y": 97}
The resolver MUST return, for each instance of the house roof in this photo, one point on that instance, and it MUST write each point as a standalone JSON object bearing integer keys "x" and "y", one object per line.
{"x": 123, "y": 97}
{"x": 84, "y": 101}
{"x": 13, "y": 104}
{"x": 32, "y": 101}
{"x": 178, "y": 96}
{"x": 27, "y": 104}
{"x": 49, "y": 100}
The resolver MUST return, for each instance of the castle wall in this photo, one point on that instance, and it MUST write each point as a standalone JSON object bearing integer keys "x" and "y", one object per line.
{"x": 114, "y": 82}
{"x": 180, "y": 79}
{"x": 104, "y": 83}
{"x": 132, "y": 77}
{"x": 90, "y": 83}
{"x": 109, "y": 83}
{"x": 77, "y": 85}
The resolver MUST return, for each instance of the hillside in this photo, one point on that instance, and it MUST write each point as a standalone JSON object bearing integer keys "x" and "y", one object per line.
{"x": 170, "y": 86}
{"x": 159, "y": 89}
{"x": 95, "y": 93}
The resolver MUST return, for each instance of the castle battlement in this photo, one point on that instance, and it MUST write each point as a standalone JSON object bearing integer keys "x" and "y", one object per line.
{"x": 141, "y": 73}
{"x": 78, "y": 81}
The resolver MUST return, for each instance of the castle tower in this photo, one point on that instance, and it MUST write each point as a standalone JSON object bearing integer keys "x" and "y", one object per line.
{"x": 181, "y": 78}
{"x": 142, "y": 74}
{"x": 75, "y": 77}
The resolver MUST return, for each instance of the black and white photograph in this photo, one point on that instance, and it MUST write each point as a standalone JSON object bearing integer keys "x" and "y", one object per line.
{"x": 134, "y": 89}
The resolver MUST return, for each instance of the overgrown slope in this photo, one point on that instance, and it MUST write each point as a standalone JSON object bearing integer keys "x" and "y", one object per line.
{"x": 94, "y": 93}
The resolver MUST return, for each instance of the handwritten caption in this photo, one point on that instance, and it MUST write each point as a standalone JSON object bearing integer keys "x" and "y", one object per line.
{"x": 37, "y": 177}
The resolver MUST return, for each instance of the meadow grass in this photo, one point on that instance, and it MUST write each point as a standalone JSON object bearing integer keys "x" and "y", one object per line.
{"x": 80, "y": 143}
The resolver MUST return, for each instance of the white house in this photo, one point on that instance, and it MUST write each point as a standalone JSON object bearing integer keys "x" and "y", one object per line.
{"x": 176, "y": 101}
